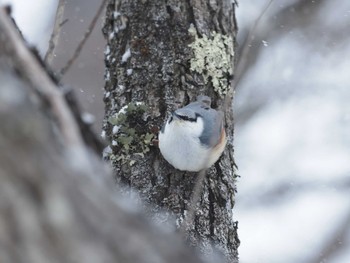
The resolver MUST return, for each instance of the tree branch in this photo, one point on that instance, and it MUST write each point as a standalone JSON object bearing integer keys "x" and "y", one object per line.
{"x": 243, "y": 58}
{"x": 33, "y": 71}
{"x": 83, "y": 41}
{"x": 56, "y": 32}
{"x": 334, "y": 244}
{"x": 196, "y": 195}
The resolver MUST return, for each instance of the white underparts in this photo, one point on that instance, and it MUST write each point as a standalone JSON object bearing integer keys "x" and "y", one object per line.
{"x": 181, "y": 147}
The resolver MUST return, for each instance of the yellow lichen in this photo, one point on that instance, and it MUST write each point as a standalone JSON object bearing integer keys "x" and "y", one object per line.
{"x": 213, "y": 59}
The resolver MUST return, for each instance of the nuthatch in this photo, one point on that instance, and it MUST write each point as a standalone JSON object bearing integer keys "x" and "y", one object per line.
{"x": 194, "y": 137}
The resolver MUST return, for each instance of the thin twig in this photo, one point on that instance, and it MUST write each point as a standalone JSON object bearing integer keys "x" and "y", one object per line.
{"x": 243, "y": 58}
{"x": 196, "y": 195}
{"x": 334, "y": 245}
{"x": 56, "y": 32}
{"x": 86, "y": 36}
{"x": 32, "y": 70}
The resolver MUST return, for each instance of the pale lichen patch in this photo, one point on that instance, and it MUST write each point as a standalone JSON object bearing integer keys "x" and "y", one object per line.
{"x": 213, "y": 59}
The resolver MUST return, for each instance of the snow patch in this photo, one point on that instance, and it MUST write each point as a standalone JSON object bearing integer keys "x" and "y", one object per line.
{"x": 126, "y": 55}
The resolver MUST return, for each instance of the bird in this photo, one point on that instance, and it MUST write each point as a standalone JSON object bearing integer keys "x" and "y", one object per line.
{"x": 193, "y": 137}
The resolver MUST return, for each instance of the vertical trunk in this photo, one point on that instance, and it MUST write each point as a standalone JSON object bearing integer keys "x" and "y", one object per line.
{"x": 160, "y": 56}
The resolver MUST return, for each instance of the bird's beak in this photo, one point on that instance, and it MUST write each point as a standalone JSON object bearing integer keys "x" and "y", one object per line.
{"x": 175, "y": 116}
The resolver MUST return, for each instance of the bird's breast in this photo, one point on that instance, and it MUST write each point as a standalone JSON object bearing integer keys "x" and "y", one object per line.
{"x": 182, "y": 149}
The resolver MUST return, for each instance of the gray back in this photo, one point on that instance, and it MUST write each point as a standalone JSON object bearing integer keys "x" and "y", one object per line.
{"x": 213, "y": 120}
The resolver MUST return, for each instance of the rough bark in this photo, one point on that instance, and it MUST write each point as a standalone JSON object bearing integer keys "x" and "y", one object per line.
{"x": 157, "y": 73}
{"x": 58, "y": 202}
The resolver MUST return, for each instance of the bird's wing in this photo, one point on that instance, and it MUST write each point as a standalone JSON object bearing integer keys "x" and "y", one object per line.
{"x": 213, "y": 126}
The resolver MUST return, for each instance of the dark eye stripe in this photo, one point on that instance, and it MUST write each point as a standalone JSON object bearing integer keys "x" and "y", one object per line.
{"x": 186, "y": 118}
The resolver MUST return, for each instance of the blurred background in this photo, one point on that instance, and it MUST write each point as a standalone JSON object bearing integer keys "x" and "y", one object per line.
{"x": 292, "y": 118}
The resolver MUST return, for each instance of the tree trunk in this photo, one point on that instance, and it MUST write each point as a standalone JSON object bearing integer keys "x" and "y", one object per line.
{"x": 160, "y": 56}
